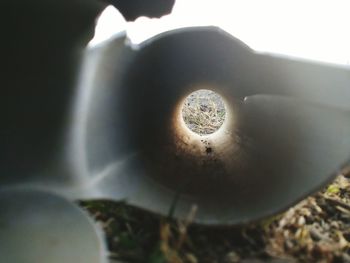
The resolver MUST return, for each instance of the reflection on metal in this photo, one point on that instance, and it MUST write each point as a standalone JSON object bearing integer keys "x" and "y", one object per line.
{"x": 39, "y": 227}
{"x": 117, "y": 133}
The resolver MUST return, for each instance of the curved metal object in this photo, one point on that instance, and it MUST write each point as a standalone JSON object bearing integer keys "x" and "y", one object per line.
{"x": 120, "y": 135}
{"x": 285, "y": 136}
{"x": 39, "y": 227}
{"x": 281, "y": 141}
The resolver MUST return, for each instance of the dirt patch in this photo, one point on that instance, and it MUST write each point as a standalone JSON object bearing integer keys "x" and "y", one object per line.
{"x": 315, "y": 230}
{"x": 204, "y": 112}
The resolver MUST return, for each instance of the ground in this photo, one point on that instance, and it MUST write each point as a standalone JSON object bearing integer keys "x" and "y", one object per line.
{"x": 203, "y": 111}
{"x": 315, "y": 230}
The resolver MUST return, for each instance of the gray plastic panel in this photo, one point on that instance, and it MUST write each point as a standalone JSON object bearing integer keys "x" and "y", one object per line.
{"x": 39, "y": 227}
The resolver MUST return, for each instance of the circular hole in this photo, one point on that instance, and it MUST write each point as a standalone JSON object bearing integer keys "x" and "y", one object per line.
{"x": 204, "y": 112}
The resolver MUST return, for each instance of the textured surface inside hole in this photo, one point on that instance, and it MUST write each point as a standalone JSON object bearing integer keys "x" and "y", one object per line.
{"x": 203, "y": 112}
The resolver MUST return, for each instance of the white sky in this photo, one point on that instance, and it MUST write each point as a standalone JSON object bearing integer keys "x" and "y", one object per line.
{"x": 312, "y": 29}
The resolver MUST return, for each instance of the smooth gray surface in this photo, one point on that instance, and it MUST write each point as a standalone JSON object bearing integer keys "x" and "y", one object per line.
{"x": 39, "y": 227}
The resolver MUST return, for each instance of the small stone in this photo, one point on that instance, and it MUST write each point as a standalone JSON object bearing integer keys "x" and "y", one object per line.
{"x": 335, "y": 224}
{"x": 232, "y": 257}
{"x": 301, "y": 221}
{"x": 191, "y": 258}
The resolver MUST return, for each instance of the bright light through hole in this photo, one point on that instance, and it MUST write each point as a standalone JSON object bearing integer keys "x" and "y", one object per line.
{"x": 203, "y": 112}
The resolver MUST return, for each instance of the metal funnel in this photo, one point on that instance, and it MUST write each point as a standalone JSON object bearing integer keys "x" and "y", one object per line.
{"x": 285, "y": 136}
{"x": 118, "y": 132}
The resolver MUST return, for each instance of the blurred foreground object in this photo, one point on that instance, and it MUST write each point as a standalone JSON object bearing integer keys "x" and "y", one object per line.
{"x": 39, "y": 227}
